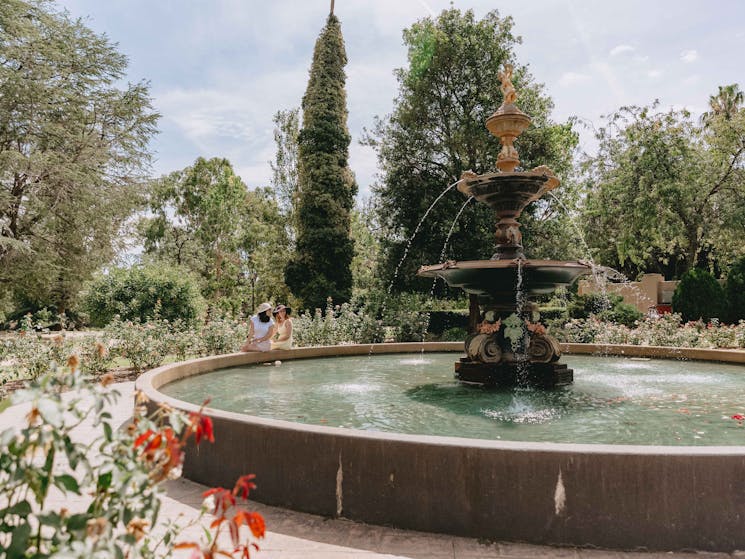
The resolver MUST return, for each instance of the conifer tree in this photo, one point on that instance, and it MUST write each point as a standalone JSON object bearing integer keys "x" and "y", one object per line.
{"x": 321, "y": 266}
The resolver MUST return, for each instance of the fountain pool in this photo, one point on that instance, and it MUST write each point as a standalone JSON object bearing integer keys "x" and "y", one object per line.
{"x": 626, "y": 496}
{"x": 614, "y": 400}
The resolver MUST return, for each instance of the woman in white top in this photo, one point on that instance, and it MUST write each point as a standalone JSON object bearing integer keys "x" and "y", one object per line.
{"x": 261, "y": 328}
{"x": 284, "y": 328}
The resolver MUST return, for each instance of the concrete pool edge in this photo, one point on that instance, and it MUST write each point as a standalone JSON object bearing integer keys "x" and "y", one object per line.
{"x": 626, "y": 497}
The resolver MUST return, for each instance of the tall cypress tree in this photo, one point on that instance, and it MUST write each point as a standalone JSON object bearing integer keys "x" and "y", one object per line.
{"x": 321, "y": 266}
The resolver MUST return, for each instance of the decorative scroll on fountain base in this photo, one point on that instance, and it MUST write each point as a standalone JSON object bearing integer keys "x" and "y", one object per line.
{"x": 506, "y": 344}
{"x": 512, "y": 352}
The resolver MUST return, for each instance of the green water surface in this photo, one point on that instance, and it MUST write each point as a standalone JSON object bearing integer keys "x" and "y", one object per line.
{"x": 613, "y": 400}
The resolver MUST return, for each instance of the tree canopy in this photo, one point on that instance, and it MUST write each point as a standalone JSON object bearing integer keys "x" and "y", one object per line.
{"x": 73, "y": 152}
{"x": 437, "y": 131}
{"x": 205, "y": 219}
{"x": 665, "y": 194}
{"x": 321, "y": 265}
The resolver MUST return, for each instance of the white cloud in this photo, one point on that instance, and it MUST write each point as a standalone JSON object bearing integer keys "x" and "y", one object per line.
{"x": 569, "y": 79}
{"x": 220, "y": 72}
{"x": 621, "y": 49}
{"x": 689, "y": 56}
{"x": 364, "y": 162}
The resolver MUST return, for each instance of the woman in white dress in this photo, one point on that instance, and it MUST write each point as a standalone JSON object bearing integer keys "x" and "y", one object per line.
{"x": 284, "y": 328}
{"x": 261, "y": 328}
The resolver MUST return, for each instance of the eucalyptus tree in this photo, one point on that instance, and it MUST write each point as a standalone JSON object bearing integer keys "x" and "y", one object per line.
{"x": 436, "y": 131}
{"x": 73, "y": 152}
{"x": 321, "y": 265}
{"x": 285, "y": 164}
{"x": 205, "y": 219}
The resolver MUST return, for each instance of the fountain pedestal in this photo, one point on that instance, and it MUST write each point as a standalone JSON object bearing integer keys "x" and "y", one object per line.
{"x": 507, "y": 345}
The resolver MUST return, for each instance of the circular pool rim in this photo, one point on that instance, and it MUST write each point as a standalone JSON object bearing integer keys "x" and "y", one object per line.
{"x": 618, "y": 496}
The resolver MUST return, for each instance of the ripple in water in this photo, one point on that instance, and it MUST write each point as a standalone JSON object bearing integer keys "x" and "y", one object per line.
{"x": 520, "y": 413}
{"x": 415, "y": 362}
{"x": 351, "y": 388}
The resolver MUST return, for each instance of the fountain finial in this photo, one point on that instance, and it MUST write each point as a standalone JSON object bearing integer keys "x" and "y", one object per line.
{"x": 507, "y": 123}
{"x": 508, "y": 90}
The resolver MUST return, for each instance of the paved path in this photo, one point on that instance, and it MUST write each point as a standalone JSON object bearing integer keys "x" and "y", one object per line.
{"x": 294, "y": 535}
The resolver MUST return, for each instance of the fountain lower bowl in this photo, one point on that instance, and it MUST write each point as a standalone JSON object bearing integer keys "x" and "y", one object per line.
{"x": 497, "y": 279}
{"x": 665, "y": 498}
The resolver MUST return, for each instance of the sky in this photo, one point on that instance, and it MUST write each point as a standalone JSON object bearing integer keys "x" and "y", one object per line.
{"x": 220, "y": 69}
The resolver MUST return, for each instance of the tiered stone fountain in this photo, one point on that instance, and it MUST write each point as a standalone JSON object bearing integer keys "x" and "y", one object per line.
{"x": 507, "y": 344}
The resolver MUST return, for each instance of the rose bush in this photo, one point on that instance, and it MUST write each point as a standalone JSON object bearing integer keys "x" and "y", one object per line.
{"x": 117, "y": 475}
{"x": 667, "y": 330}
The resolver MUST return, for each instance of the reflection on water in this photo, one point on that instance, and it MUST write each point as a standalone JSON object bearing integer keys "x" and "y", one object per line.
{"x": 613, "y": 400}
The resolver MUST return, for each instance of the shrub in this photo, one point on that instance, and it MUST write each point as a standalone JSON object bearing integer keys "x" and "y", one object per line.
{"x": 609, "y": 307}
{"x": 665, "y": 330}
{"x": 454, "y": 335}
{"x": 698, "y": 296}
{"x": 584, "y": 306}
{"x": 622, "y": 313}
{"x": 404, "y": 319}
{"x": 145, "y": 345}
{"x": 143, "y": 292}
{"x": 29, "y": 355}
{"x": 441, "y": 321}
{"x": 222, "y": 335}
{"x": 553, "y": 313}
{"x": 96, "y": 354}
{"x": 577, "y": 330}
{"x": 340, "y": 324}
{"x": 735, "y": 290}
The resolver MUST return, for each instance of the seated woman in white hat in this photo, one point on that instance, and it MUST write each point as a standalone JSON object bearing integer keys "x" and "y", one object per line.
{"x": 261, "y": 328}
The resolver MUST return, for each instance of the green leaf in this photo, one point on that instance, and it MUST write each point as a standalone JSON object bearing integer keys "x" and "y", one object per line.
{"x": 22, "y": 509}
{"x": 77, "y": 522}
{"x": 104, "y": 481}
{"x": 42, "y": 489}
{"x": 107, "y": 431}
{"x": 67, "y": 483}
{"x": 73, "y": 456}
{"x": 52, "y": 519}
{"x": 19, "y": 542}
